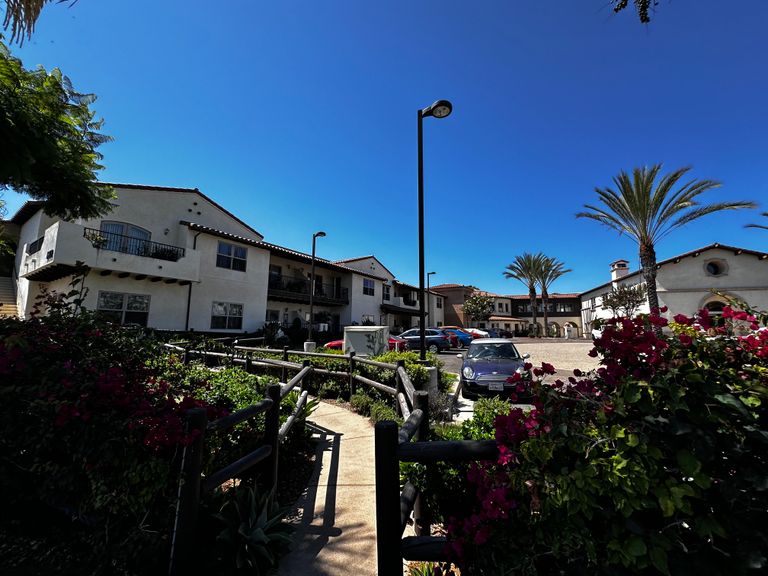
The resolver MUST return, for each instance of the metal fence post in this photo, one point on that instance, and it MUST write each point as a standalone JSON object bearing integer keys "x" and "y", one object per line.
{"x": 389, "y": 560}
{"x": 271, "y": 430}
{"x": 422, "y": 521}
{"x": 352, "y": 383}
{"x": 188, "y": 500}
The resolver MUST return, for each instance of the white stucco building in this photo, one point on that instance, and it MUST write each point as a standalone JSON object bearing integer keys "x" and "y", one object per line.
{"x": 688, "y": 282}
{"x": 173, "y": 259}
{"x": 149, "y": 264}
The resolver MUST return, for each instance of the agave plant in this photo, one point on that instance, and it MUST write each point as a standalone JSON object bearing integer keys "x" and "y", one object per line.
{"x": 254, "y": 535}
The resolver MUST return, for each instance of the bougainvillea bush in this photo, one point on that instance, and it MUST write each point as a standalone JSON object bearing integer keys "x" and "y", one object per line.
{"x": 653, "y": 464}
{"x": 91, "y": 430}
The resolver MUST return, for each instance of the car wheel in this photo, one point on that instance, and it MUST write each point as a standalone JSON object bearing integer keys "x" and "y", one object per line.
{"x": 468, "y": 395}
{"x": 433, "y": 348}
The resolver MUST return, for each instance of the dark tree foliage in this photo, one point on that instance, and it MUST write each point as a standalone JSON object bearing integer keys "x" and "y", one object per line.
{"x": 643, "y": 8}
{"x": 49, "y": 139}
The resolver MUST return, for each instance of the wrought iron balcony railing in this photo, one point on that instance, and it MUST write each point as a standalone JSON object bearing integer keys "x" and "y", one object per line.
{"x": 301, "y": 286}
{"x": 130, "y": 245}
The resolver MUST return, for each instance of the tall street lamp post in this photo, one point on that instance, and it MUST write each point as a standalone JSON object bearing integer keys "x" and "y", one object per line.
{"x": 309, "y": 345}
{"x": 429, "y": 308}
{"x": 439, "y": 109}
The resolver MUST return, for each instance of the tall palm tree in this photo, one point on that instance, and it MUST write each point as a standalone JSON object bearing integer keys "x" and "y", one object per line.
{"x": 551, "y": 269}
{"x": 648, "y": 210}
{"x": 21, "y": 16}
{"x": 526, "y": 269}
{"x": 763, "y": 226}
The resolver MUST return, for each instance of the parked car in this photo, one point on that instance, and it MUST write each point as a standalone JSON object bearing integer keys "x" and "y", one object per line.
{"x": 465, "y": 338}
{"x": 487, "y": 365}
{"x": 452, "y": 337}
{"x": 477, "y": 333}
{"x": 395, "y": 343}
{"x": 436, "y": 340}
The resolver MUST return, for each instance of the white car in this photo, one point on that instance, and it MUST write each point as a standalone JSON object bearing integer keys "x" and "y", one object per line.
{"x": 476, "y": 332}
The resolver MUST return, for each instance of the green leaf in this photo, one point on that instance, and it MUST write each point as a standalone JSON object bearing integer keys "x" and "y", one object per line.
{"x": 733, "y": 402}
{"x": 635, "y": 546}
{"x": 659, "y": 559}
{"x": 687, "y": 463}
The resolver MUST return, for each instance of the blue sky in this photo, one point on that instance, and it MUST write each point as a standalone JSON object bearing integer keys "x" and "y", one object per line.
{"x": 300, "y": 116}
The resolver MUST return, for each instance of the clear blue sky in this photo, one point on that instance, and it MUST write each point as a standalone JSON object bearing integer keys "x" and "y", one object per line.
{"x": 300, "y": 115}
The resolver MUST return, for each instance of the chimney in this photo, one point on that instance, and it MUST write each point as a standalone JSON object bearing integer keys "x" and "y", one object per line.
{"x": 619, "y": 269}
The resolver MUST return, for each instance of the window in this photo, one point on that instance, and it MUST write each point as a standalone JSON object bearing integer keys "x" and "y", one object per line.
{"x": 231, "y": 256}
{"x": 439, "y": 324}
{"x": 273, "y": 315}
{"x": 369, "y": 288}
{"x": 501, "y": 307}
{"x": 35, "y": 246}
{"x": 563, "y": 307}
{"x": 125, "y": 238}
{"x": 439, "y": 303}
{"x": 367, "y": 320}
{"x": 227, "y": 316}
{"x": 716, "y": 268}
{"x": 386, "y": 288}
{"x": 124, "y": 308}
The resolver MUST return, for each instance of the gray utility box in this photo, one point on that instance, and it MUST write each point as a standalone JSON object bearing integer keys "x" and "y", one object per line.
{"x": 366, "y": 340}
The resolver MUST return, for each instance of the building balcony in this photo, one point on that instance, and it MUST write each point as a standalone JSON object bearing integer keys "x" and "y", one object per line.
{"x": 402, "y": 302}
{"x": 65, "y": 246}
{"x": 297, "y": 290}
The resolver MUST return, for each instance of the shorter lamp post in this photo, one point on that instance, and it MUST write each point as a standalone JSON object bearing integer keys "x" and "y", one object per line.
{"x": 310, "y": 342}
{"x": 429, "y": 309}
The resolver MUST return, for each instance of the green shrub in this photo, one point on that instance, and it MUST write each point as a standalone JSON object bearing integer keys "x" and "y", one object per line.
{"x": 361, "y": 403}
{"x": 480, "y": 426}
{"x": 381, "y": 411}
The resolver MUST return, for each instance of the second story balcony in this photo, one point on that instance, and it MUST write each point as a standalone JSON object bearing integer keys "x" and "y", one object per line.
{"x": 297, "y": 290}
{"x": 65, "y": 245}
{"x": 132, "y": 245}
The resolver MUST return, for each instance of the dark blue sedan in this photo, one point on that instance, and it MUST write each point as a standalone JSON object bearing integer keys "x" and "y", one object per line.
{"x": 435, "y": 340}
{"x": 488, "y": 364}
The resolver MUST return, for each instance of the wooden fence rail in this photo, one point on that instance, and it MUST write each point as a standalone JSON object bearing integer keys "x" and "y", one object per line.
{"x": 393, "y": 506}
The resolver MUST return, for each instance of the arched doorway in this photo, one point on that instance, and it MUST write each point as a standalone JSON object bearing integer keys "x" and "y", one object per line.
{"x": 554, "y": 330}
{"x": 715, "y": 309}
{"x": 571, "y": 330}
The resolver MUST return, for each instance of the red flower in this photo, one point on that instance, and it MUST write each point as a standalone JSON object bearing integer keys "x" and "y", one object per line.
{"x": 685, "y": 340}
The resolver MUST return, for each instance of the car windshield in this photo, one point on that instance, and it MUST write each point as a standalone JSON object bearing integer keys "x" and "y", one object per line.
{"x": 496, "y": 350}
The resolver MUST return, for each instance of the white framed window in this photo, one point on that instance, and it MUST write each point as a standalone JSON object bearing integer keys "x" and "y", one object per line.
{"x": 369, "y": 287}
{"x": 123, "y": 308}
{"x": 439, "y": 303}
{"x": 227, "y": 316}
{"x": 231, "y": 256}
{"x": 386, "y": 288}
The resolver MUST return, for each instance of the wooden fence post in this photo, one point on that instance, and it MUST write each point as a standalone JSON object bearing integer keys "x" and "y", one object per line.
{"x": 307, "y": 380}
{"x": 422, "y": 521}
{"x": 249, "y": 362}
{"x": 188, "y": 501}
{"x": 185, "y": 357}
{"x": 271, "y": 430}
{"x": 389, "y": 560}
{"x": 398, "y": 382}
{"x": 352, "y": 383}
{"x": 285, "y": 370}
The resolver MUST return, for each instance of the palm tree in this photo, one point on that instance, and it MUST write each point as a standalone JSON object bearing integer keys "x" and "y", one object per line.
{"x": 526, "y": 269}
{"x": 551, "y": 269}
{"x": 647, "y": 211}
{"x": 21, "y": 16}
{"x": 763, "y": 226}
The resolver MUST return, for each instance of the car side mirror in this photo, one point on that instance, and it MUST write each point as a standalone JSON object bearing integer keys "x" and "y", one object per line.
{"x": 526, "y": 356}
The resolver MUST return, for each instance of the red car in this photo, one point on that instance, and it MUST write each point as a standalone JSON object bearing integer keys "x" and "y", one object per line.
{"x": 395, "y": 343}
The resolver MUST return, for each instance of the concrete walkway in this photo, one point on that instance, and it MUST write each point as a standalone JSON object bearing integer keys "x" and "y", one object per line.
{"x": 336, "y": 516}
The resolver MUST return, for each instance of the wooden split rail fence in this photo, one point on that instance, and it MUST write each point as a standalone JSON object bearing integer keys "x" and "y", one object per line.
{"x": 412, "y": 405}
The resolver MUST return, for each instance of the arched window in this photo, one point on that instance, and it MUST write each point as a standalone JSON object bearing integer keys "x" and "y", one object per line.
{"x": 715, "y": 309}
{"x": 124, "y": 237}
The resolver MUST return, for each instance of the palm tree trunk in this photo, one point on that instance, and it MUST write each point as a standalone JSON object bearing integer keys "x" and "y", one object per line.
{"x": 532, "y": 296}
{"x": 544, "y": 300}
{"x": 648, "y": 264}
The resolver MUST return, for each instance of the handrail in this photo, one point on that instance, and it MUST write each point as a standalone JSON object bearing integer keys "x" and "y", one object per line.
{"x": 229, "y": 472}
{"x": 286, "y": 427}
{"x": 373, "y": 384}
{"x": 130, "y": 245}
{"x": 407, "y": 384}
{"x": 410, "y": 427}
{"x": 376, "y": 363}
{"x": 226, "y": 422}
{"x": 291, "y": 384}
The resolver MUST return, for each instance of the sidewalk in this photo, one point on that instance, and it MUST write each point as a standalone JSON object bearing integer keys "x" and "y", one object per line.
{"x": 336, "y": 516}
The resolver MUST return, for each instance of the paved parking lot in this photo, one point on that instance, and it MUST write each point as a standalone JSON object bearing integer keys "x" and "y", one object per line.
{"x": 564, "y": 355}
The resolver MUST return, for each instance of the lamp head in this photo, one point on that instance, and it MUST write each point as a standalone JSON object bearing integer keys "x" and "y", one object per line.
{"x": 318, "y": 235}
{"x": 430, "y": 273}
{"x": 439, "y": 109}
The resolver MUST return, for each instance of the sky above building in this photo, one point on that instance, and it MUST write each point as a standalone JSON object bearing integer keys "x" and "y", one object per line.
{"x": 300, "y": 116}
